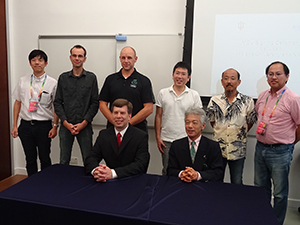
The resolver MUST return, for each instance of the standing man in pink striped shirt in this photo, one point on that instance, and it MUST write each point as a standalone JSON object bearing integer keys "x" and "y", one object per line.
{"x": 278, "y": 130}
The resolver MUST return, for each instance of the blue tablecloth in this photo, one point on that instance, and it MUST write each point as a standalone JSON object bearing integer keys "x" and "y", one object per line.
{"x": 63, "y": 194}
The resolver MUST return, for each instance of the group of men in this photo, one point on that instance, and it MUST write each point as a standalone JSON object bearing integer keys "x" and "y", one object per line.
{"x": 126, "y": 100}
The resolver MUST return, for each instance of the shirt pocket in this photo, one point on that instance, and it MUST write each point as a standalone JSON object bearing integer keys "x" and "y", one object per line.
{"x": 85, "y": 92}
{"x": 45, "y": 99}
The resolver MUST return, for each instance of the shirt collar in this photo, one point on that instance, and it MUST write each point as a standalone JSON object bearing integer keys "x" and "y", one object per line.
{"x": 196, "y": 142}
{"x": 238, "y": 96}
{"x": 279, "y": 91}
{"x": 82, "y": 74}
{"x": 122, "y": 132}
{"x": 171, "y": 89}
{"x": 133, "y": 75}
{"x": 40, "y": 77}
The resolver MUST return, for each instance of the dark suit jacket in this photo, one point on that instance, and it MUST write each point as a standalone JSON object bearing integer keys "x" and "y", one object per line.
{"x": 208, "y": 159}
{"x": 130, "y": 159}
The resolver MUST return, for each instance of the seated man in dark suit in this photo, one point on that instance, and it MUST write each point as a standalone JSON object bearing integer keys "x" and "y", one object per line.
{"x": 123, "y": 147}
{"x": 195, "y": 157}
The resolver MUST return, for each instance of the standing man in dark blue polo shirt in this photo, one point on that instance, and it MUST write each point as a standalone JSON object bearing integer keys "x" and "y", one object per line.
{"x": 76, "y": 104}
{"x": 131, "y": 85}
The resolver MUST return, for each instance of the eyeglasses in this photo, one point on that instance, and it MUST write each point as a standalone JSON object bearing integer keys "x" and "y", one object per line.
{"x": 274, "y": 74}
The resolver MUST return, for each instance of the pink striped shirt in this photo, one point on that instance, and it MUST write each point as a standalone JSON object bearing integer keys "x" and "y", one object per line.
{"x": 283, "y": 124}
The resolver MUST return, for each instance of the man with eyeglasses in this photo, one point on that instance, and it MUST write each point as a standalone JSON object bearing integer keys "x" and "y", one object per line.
{"x": 76, "y": 104}
{"x": 232, "y": 115}
{"x": 278, "y": 130}
{"x": 195, "y": 157}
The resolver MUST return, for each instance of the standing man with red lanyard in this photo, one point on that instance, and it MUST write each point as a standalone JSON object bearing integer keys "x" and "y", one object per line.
{"x": 277, "y": 132}
{"x": 34, "y": 96}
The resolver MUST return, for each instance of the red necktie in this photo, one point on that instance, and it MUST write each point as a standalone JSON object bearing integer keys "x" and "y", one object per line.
{"x": 119, "y": 139}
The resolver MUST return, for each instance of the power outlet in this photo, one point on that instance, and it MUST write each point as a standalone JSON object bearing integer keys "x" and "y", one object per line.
{"x": 74, "y": 161}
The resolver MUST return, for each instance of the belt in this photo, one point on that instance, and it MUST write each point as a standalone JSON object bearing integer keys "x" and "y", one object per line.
{"x": 271, "y": 145}
{"x": 34, "y": 122}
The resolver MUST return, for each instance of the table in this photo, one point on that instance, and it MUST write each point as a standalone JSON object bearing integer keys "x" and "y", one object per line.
{"x": 63, "y": 194}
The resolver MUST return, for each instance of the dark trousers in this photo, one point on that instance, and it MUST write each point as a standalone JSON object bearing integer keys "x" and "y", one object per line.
{"x": 35, "y": 141}
{"x": 66, "y": 140}
{"x": 236, "y": 168}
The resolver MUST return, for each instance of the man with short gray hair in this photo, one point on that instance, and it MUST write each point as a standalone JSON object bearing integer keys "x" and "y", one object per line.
{"x": 195, "y": 157}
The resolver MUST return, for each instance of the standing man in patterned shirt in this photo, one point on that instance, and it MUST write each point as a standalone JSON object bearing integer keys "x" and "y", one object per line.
{"x": 232, "y": 115}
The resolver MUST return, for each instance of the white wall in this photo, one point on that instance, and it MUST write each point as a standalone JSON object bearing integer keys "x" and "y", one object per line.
{"x": 30, "y": 18}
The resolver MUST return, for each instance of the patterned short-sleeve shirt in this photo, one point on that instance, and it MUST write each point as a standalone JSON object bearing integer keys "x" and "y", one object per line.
{"x": 230, "y": 123}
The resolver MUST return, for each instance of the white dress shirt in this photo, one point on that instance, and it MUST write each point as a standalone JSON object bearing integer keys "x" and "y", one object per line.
{"x": 196, "y": 145}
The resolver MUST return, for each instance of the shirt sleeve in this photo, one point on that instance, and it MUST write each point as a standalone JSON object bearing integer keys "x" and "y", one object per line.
{"x": 251, "y": 113}
{"x": 94, "y": 102}
{"x": 197, "y": 99}
{"x": 104, "y": 92}
{"x": 114, "y": 174}
{"x": 16, "y": 93}
{"x": 295, "y": 110}
{"x": 58, "y": 101}
{"x": 159, "y": 101}
{"x": 209, "y": 111}
{"x": 147, "y": 94}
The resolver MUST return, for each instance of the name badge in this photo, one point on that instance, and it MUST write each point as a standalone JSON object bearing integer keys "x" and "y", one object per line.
{"x": 33, "y": 106}
{"x": 261, "y": 128}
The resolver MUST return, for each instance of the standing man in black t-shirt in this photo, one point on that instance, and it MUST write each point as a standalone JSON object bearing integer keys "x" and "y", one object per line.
{"x": 131, "y": 85}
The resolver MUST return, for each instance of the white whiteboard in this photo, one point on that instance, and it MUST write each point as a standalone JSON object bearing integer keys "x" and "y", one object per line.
{"x": 157, "y": 55}
{"x": 247, "y": 36}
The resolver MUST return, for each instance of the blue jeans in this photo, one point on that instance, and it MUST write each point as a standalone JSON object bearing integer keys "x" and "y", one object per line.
{"x": 66, "y": 139}
{"x": 236, "y": 168}
{"x": 272, "y": 162}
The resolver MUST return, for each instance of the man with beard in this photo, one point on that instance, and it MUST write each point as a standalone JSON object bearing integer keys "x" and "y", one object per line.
{"x": 232, "y": 115}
